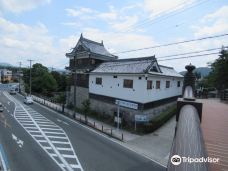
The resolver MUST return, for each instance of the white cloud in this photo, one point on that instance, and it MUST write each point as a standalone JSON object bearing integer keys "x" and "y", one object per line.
{"x": 127, "y": 23}
{"x": 108, "y": 15}
{"x": 156, "y": 8}
{"x": 20, "y": 42}
{"x": 72, "y": 24}
{"x": 214, "y": 23}
{"x": 17, "y": 6}
{"x": 80, "y": 11}
{"x": 118, "y": 19}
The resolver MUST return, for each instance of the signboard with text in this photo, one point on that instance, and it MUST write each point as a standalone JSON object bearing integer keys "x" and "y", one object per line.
{"x": 127, "y": 104}
{"x": 141, "y": 118}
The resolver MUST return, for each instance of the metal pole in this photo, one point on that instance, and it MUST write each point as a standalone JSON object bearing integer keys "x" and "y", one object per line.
{"x": 74, "y": 87}
{"x": 30, "y": 77}
{"x": 118, "y": 115}
{"x": 19, "y": 77}
{"x": 135, "y": 124}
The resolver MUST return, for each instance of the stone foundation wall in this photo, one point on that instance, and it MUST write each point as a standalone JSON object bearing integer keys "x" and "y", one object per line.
{"x": 81, "y": 95}
{"x": 128, "y": 114}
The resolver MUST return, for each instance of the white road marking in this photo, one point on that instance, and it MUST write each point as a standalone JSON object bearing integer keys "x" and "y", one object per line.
{"x": 60, "y": 142}
{"x": 62, "y": 122}
{"x": 57, "y": 137}
{"x": 103, "y": 135}
{"x": 63, "y": 149}
{"x": 68, "y": 156}
{"x": 18, "y": 141}
{"x": 49, "y": 131}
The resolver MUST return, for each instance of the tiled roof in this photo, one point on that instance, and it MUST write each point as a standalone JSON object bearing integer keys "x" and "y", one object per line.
{"x": 97, "y": 48}
{"x": 167, "y": 71}
{"x": 93, "y": 47}
{"x": 133, "y": 65}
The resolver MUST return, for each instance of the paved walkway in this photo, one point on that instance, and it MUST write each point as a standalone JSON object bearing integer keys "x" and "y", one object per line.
{"x": 156, "y": 145}
{"x": 215, "y": 131}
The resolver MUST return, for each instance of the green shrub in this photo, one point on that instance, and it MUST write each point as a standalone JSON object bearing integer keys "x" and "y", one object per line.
{"x": 159, "y": 120}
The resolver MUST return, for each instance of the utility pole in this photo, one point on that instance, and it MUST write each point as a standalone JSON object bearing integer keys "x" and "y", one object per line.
{"x": 75, "y": 77}
{"x": 19, "y": 77}
{"x": 30, "y": 76}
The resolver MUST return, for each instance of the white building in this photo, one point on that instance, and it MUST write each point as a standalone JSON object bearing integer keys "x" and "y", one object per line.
{"x": 142, "y": 86}
{"x": 139, "y": 85}
{"x": 6, "y": 75}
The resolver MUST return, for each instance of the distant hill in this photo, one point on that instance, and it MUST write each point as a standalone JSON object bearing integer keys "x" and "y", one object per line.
{"x": 204, "y": 71}
{"x": 58, "y": 70}
{"x": 3, "y": 64}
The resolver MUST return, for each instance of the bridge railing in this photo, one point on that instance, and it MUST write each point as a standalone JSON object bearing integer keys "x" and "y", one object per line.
{"x": 188, "y": 144}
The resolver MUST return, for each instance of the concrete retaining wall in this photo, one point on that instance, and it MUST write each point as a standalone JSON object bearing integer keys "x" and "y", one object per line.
{"x": 128, "y": 114}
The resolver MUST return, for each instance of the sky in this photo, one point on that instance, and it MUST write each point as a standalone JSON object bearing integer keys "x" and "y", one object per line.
{"x": 45, "y": 30}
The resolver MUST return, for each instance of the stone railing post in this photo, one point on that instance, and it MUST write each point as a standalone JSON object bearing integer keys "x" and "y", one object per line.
{"x": 189, "y": 78}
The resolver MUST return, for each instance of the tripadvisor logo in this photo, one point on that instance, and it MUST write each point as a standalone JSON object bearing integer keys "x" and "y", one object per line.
{"x": 176, "y": 160}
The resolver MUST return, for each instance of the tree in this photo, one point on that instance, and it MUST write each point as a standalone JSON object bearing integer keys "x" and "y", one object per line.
{"x": 86, "y": 108}
{"x": 198, "y": 75}
{"x": 42, "y": 81}
{"x": 60, "y": 79}
{"x": 219, "y": 75}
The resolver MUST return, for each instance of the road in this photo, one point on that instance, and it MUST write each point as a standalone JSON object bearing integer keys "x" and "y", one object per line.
{"x": 36, "y": 138}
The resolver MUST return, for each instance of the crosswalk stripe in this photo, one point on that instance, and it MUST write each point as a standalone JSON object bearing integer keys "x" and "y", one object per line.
{"x": 48, "y": 135}
{"x": 63, "y": 149}
{"x": 57, "y": 137}
{"x": 60, "y": 142}
{"x": 69, "y": 156}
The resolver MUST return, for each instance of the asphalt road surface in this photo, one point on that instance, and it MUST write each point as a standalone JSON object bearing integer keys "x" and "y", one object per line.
{"x": 35, "y": 138}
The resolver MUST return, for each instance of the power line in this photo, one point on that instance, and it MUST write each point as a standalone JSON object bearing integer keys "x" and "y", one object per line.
{"x": 171, "y": 14}
{"x": 174, "y": 43}
{"x": 184, "y": 57}
{"x": 158, "y": 15}
{"x": 187, "y": 53}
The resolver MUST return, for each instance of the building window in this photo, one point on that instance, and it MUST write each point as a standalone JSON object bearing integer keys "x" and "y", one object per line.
{"x": 149, "y": 84}
{"x": 178, "y": 83}
{"x": 128, "y": 83}
{"x": 158, "y": 84}
{"x": 99, "y": 80}
{"x": 114, "y": 76}
{"x": 167, "y": 84}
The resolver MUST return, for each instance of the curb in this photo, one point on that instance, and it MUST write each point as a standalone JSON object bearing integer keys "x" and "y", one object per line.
{"x": 4, "y": 166}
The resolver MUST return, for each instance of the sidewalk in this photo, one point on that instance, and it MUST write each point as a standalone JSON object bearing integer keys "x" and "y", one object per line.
{"x": 214, "y": 127}
{"x": 155, "y": 146}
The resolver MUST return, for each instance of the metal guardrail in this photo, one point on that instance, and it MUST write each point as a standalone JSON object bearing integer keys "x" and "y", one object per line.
{"x": 224, "y": 94}
{"x": 188, "y": 141}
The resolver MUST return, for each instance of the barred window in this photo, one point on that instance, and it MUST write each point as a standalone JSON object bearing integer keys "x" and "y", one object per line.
{"x": 178, "y": 83}
{"x": 99, "y": 80}
{"x": 158, "y": 84}
{"x": 149, "y": 84}
{"x": 167, "y": 84}
{"x": 128, "y": 83}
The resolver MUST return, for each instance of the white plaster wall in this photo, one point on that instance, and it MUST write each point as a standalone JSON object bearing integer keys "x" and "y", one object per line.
{"x": 139, "y": 92}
